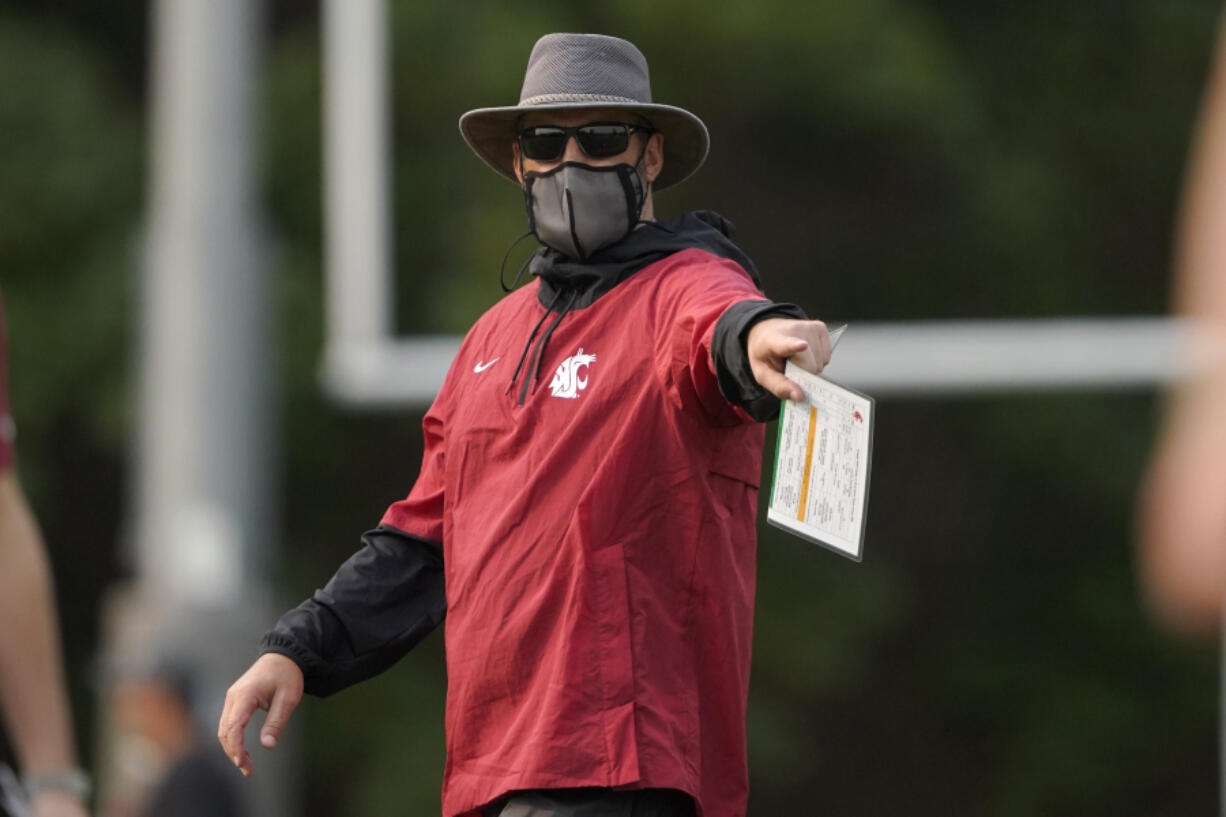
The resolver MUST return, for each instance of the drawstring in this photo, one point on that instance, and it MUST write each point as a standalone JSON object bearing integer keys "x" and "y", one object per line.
{"x": 535, "y": 370}
{"x": 528, "y": 344}
{"x": 503, "y": 266}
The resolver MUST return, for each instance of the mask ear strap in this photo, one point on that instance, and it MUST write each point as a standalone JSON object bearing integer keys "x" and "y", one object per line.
{"x": 526, "y": 186}
{"x": 645, "y": 185}
{"x": 502, "y": 268}
{"x": 519, "y": 161}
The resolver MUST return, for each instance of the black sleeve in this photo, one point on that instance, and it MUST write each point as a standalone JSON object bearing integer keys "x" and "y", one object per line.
{"x": 380, "y": 604}
{"x": 736, "y": 380}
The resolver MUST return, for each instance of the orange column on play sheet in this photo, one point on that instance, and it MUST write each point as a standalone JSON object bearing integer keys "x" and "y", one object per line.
{"x": 804, "y": 482}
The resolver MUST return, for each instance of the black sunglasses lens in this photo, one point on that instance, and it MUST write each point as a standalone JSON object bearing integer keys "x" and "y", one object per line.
{"x": 543, "y": 144}
{"x": 546, "y": 143}
{"x": 603, "y": 140}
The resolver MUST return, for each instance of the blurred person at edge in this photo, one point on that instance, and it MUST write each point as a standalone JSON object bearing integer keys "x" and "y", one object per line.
{"x": 179, "y": 773}
{"x": 589, "y": 536}
{"x": 32, "y": 694}
{"x": 1182, "y": 512}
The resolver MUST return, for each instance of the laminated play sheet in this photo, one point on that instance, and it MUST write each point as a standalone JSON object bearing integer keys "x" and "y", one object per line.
{"x": 823, "y": 456}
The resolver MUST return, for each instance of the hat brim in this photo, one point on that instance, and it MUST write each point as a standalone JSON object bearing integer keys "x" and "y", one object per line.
{"x": 490, "y": 132}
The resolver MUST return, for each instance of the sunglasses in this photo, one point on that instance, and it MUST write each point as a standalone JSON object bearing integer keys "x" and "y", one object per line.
{"x": 544, "y": 143}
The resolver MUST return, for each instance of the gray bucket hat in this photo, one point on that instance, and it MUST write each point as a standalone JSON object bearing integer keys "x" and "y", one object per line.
{"x": 568, "y": 71}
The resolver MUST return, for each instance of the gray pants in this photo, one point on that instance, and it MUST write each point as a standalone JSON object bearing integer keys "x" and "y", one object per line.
{"x": 595, "y": 803}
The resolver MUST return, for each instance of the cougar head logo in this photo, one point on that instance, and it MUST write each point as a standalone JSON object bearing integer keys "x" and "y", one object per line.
{"x": 566, "y": 380}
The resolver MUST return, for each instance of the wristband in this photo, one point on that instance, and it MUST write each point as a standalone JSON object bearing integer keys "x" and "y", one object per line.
{"x": 68, "y": 781}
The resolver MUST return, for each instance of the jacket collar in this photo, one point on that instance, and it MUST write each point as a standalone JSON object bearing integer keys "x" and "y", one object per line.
{"x": 652, "y": 241}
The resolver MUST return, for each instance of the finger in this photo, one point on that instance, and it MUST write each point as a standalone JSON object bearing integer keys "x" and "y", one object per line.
{"x": 243, "y": 761}
{"x": 782, "y": 346}
{"x": 232, "y": 727}
{"x": 778, "y": 385}
{"x": 824, "y": 351}
{"x": 283, "y": 704}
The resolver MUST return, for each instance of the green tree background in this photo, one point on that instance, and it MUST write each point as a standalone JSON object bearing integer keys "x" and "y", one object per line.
{"x": 884, "y": 159}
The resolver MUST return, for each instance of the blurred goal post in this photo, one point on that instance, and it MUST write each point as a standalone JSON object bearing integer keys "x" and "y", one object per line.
{"x": 365, "y": 365}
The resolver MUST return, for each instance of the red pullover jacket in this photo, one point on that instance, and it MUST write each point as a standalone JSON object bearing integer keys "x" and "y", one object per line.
{"x": 596, "y": 510}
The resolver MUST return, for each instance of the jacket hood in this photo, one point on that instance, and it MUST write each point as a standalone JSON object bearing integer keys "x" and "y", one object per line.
{"x": 567, "y": 285}
{"x": 652, "y": 241}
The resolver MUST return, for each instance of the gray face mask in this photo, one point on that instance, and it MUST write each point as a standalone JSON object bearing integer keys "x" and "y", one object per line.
{"x": 578, "y": 209}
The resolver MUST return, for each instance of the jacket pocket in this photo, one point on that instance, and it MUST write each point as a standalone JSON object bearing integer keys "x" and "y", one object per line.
{"x": 615, "y": 656}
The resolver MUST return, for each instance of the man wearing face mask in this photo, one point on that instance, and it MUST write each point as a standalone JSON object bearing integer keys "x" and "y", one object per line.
{"x": 584, "y": 515}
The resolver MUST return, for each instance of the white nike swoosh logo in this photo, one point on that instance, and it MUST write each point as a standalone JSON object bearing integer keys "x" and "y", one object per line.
{"x": 480, "y": 367}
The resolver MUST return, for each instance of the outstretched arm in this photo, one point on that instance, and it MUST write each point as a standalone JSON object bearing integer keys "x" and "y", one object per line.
{"x": 1182, "y": 514}
{"x": 32, "y": 694}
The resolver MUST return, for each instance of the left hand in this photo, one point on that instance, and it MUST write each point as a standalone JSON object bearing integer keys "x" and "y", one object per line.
{"x": 772, "y": 342}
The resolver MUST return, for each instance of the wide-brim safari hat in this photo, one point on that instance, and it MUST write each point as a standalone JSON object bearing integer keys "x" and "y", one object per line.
{"x": 569, "y": 71}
